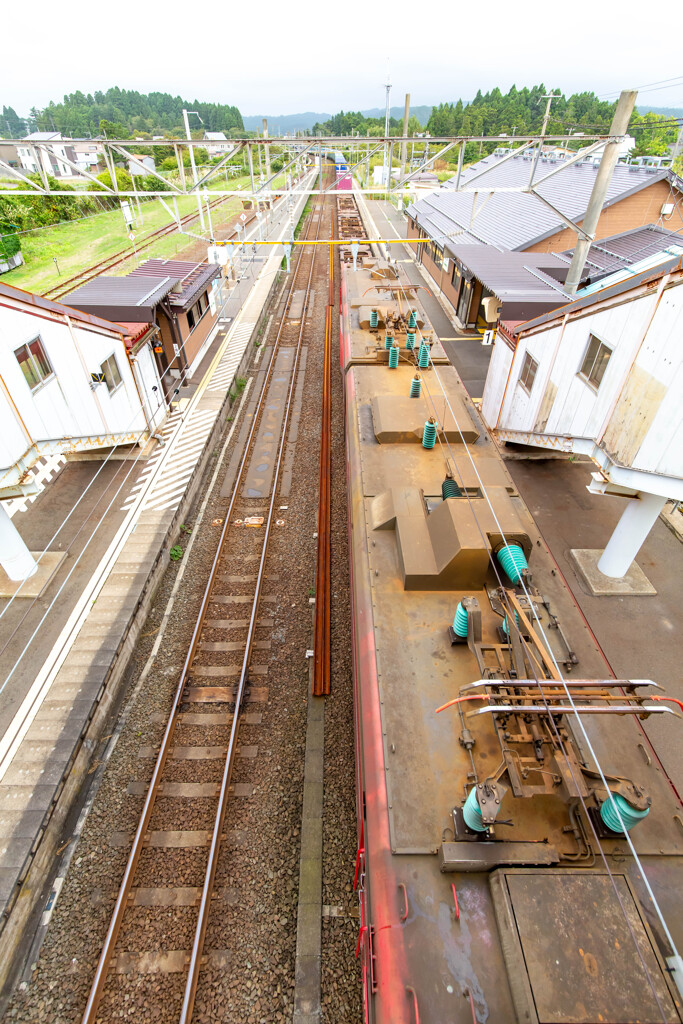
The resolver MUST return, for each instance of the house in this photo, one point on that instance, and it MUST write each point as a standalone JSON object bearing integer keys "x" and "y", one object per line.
{"x": 526, "y": 284}
{"x": 70, "y": 383}
{"x": 521, "y": 222}
{"x": 602, "y": 376}
{"x": 51, "y": 155}
{"x": 177, "y": 297}
{"x": 89, "y": 156}
{"x": 217, "y": 144}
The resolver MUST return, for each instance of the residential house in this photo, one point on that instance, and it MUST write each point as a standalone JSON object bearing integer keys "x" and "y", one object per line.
{"x": 217, "y": 144}
{"x": 602, "y": 375}
{"x": 69, "y": 382}
{"x": 177, "y": 297}
{"x": 521, "y": 222}
{"x": 51, "y": 154}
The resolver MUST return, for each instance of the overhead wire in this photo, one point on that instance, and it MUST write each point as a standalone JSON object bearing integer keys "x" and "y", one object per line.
{"x": 572, "y": 705}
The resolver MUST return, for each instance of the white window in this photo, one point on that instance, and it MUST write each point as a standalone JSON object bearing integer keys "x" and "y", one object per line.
{"x": 34, "y": 363}
{"x": 528, "y": 374}
{"x": 112, "y": 376}
{"x": 595, "y": 362}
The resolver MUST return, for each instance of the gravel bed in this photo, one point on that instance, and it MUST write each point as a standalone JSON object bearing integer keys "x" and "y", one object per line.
{"x": 257, "y": 873}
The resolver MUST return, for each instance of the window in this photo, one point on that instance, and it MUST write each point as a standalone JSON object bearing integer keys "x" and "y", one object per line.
{"x": 595, "y": 362}
{"x": 34, "y": 363}
{"x": 112, "y": 376}
{"x": 528, "y": 374}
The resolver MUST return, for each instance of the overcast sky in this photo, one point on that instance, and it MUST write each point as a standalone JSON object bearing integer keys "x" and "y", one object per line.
{"x": 280, "y": 58}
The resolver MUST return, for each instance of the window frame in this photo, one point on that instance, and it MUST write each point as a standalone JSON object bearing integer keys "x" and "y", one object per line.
{"x": 105, "y": 370}
{"x": 522, "y": 380}
{"x": 586, "y": 377}
{"x": 41, "y": 378}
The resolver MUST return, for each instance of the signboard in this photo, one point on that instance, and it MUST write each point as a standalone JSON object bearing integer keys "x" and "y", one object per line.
{"x": 97, "y": 378}
{"x": 243, "y": 217}
{"x": 131, "y": 236}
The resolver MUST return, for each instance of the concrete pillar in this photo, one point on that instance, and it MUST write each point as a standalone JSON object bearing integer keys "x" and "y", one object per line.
{"x": 630, "y": 533}
{"x": 15, "y": 557}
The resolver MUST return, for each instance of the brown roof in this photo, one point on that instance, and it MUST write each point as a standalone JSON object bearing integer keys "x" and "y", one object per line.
{"x": 192, "y": 279}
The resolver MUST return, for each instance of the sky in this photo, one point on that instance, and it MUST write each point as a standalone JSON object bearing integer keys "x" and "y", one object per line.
{"x": 280, "y": 58}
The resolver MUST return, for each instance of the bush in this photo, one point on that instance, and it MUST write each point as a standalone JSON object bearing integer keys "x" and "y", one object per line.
{"x": 9, "y": 244}
{"x": 151, "y": 184}
{"x": 169, "y": 164}
{"x": 123, "y": 180}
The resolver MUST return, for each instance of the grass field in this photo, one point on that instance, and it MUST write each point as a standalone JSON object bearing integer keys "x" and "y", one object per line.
{"x": 79, "y": 244}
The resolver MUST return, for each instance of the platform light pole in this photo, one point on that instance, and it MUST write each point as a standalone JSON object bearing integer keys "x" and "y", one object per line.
{"x": 192, "y": 163}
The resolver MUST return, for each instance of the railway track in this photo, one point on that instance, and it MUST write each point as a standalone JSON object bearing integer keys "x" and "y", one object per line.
{"x": 64, "y": 287}
{"x": 159, "y": 924}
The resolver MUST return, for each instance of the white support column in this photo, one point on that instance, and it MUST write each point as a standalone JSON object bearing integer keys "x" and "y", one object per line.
{"x": 630, "y": 533}
{"x": 15, "y": 557}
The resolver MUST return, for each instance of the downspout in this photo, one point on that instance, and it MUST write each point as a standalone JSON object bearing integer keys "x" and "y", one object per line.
{"x": 16, "y": 412}
{"x": 507, "y": 382}
{"x": 173, "y": 320}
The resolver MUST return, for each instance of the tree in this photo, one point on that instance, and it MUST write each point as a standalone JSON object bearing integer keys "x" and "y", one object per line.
{"x": 113, "y": 130}
{"x": 123, "y": 181}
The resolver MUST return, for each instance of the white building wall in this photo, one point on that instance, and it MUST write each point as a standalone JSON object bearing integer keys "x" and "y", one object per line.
{"x": 636, "y": 413}
{"x": 64, "y": 405}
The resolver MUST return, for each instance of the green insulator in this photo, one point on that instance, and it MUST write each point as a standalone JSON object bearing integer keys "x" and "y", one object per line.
{"x": 449, "y": 489}
{"x": 460, "y": 621}
{"x": 513, "y": 561}
{"x": 505, "y": 623}
{"x": 472, "y": 814}
{"x": 429, "y": 434}
{"x": 374, "y": 318}
{"x": 415, "y": 387}
{"x": 410, "y": 339}
{"x": 412, "y": 320}
{"x": 423, "y": 360}
{"x": 629, "y": 815}
{"x": 388, "y": 340}
{"x": 393, "y": 357}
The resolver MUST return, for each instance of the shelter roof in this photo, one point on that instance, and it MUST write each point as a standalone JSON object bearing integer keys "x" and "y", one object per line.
{"x": 126, "y": 299}
{"x": 47, "y": 305}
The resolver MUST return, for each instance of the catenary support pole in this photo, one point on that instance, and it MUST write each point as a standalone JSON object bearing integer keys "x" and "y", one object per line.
{"x": 404, "y": 144}
{"x": 193, "y": 166}
{"x": 15, "y": 557}
{"x": 630, "y": 534}
{"x": 619, "y": 126}
{"x": 266, "y": 148}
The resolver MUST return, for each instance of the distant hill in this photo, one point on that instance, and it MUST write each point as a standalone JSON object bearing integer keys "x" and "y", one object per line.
{"x": 421, "y": 113}
{"x": 284, "y": 123}
{"x": 667, "y": 111}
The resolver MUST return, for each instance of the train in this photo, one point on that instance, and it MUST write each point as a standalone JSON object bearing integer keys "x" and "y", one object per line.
{"x": 519, "y": 844}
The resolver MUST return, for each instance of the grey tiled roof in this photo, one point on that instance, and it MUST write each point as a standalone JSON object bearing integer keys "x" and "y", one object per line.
{"x": 610, "y": 254}
{"x": 516, "y": 220}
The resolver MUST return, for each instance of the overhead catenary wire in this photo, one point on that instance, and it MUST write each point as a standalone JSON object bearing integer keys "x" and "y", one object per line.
{"x": 572, "y": 706}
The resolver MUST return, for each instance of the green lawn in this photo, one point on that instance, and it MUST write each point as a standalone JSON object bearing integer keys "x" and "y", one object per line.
{"x": 79, "y": 244}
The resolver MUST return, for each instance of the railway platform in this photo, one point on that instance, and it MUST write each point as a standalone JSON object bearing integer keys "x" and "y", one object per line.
{"x": 65, "y": 657}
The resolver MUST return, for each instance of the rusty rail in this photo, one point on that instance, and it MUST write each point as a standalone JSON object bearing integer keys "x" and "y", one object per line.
{"x": 108, "y": 949}
{"x": 321, "y": 642}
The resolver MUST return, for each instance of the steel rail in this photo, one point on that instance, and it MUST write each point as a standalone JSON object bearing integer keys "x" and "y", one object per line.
{"x": 101, "y": 973}
{"x": 203, "y": 915}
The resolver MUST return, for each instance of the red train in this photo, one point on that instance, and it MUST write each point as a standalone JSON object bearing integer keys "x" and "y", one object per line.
{"x": 519, "y": 860}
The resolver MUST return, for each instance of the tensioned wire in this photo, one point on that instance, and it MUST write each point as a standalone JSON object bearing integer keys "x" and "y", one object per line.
{"x": 560, "y": 675}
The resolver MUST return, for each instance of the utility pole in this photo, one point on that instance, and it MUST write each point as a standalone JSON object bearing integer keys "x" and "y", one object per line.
{"x": 619, "y": 126}
{"x": 192, "y": 163}
{"x": 404, "y": 145}
{"x": 387, "y": 169}
{"x": 552, "y": 96}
